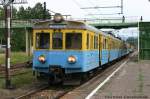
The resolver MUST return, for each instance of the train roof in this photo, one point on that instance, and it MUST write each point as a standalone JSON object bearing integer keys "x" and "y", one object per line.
{"x": 68, "y": 24}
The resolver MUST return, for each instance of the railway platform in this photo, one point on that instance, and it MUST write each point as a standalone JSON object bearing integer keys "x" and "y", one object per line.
{"x": 131, "y": 81}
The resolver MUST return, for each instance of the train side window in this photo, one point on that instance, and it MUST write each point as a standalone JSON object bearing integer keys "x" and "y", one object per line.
{"x": 100, "y": 42}
{"x": 113, "y": 44}
{"x": 91, "y": 42}
{"x": 42, "y": 40}
{"x": 57, "y": 40}
{"x": 87, "y": 41}
{"x": 95, "y": 42}
{"x": 73, "y": 41}
{"x": 104, "y": 43}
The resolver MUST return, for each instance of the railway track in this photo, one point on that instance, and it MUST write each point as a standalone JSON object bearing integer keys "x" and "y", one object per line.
{"x": 16, "y": 66}
{"x": 27, "y": 95}
{"x": 46, "y": 92}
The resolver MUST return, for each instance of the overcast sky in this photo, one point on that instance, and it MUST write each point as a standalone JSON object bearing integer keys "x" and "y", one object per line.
{"x": 132, "y": 8}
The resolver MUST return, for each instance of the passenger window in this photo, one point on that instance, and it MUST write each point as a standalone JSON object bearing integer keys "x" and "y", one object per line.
{"x": 42, "y": 40}
{"x": 57, "y": 40}
{"x": 91, "y": 42}
{"x": 95, "y": 42}
{"x": 87, "y": 41}
{"x": 100, "y": 42}
{"x": 73, "y": 40}
{"x": 104, "y": 43}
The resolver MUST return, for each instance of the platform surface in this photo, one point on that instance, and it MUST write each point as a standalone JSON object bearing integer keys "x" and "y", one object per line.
{"x": 131, "y": 82}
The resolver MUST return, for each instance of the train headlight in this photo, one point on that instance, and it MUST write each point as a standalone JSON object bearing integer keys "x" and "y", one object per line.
{"x": 58, "y": 18}
{"x": 72, "y": 59}
{"x": 42, "y": 59}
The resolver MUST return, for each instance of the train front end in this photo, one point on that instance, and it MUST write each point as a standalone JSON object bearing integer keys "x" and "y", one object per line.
{"x": 54, "y": 55}
{"x": 58, "y": 50}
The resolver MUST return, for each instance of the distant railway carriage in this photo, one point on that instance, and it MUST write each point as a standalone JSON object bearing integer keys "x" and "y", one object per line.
{"x": 70, "y": 47}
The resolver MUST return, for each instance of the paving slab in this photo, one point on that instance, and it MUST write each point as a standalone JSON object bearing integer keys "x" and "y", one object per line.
{"x": 131, "y": 82}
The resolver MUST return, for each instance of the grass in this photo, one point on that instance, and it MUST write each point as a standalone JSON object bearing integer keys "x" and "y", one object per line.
{"x": 16, "y": 57}
{"x": 1, "y": 51}
{"x": 20, "y": 80}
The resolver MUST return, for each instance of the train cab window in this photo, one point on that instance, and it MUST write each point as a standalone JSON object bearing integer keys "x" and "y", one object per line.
{"x": 95, "y": 42}
{"x": 73, "y": 40}
{"x": 57, "y": 40}
{"x": 42, "y": 40}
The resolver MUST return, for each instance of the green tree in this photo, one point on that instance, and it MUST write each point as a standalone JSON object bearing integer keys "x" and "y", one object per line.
{"x": 2, "y": 13}
{"x": 36, "y": 12}
{"x": 14, "y": 13}
{"x": 18, "y": 40}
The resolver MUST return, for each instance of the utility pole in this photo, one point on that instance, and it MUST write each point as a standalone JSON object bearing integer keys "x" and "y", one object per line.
{"x": 7, "y": 8}
{"x": 8, "y": 32}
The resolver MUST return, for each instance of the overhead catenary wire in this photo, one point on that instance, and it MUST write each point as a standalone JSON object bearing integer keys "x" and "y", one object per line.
{"x": 96, "y": 7}
{"x": 80, "y": 6}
